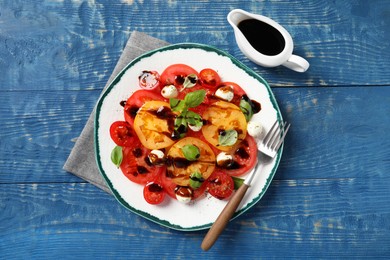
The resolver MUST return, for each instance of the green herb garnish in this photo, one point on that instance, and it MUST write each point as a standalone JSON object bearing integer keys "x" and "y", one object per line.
{"x": 191, "y": 152}
{"x": 196, "y": 180}
{"x": 177, "y": 105}
{"x": 117, "y": 156}
{"x": 193, "y": 119}
{"x": 237, "y": 182}
{"x": 195, "y": 98}
{"x": 186, "y": 117}
{"x": 180, "y": 126}
{"x": 227, "y": 137}
{"x": 246, "y": 107}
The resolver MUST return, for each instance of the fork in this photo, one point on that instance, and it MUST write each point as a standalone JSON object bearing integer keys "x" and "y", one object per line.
{"x": 269, "y": 146}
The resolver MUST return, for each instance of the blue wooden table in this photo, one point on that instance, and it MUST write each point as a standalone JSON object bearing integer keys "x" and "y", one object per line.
{"x": 330, "y": 196}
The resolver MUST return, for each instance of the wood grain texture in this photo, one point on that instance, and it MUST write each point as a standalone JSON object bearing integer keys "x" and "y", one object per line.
{"x": 330, "y": 197}
{"x": 75, "y": 44}
{"x": 312, "y": 218}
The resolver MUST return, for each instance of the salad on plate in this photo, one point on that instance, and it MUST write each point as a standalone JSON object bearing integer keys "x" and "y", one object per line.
{"x": 186, "y": 133}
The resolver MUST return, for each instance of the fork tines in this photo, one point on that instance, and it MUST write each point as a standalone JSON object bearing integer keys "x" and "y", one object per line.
{"x": 275, "y": 136}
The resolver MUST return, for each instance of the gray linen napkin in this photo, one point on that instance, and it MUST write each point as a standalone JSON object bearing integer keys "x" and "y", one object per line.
{"x": 81, "y": 161}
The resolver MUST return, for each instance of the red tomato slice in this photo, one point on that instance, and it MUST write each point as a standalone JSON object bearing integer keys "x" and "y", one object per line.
{"x": 122, "y": 133}
{"x": 244, "y": 157}
{"x": 220, "y": 185}
{"x": 175, "y": 75}
{"x": 136, "y": 165}
{"x": 200, "y": 191}
{"x": 149, "y": 80}
{"x": 209, "y": 78}
{"x": 154, "y": 193}
{"x": 169, "y": 185}
{"x": 135, "y": 101}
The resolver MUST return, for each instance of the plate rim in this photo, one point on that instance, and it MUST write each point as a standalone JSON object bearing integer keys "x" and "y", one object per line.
{"x": 117, "y": 78}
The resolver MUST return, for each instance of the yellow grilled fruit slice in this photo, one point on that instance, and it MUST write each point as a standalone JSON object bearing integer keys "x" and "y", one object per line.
{"x": 153, "y": 124}
{"x": 223, "y": 116}
{"x": 180, "y": 169}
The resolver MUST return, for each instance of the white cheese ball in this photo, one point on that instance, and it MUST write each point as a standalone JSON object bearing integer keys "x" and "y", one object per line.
{"x": 183, "y": 194}
{"x": 225, "y": 93}
{"x": 255, "y": 129}
{"x": 156, "y": 157}
{"x": 224, "y": 159}
{"x": 182, "y": 199}
{"x": 195, "y": 128}
{"x": 169, "y": 91}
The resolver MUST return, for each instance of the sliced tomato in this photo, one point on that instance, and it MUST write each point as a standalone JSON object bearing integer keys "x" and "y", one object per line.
{"x": 136, "y": 100}
{"x": 176, "y": 75}
{"x": 209, "y": 78}
{"x": 169, "y": 185}
{"x": 200, "y": 191}
{"x": 136, "y": 165}
{"x": 122, "y": 133}
{"x": 244, "y": 157}
{"x": 220, "y": 185}
{"x": 154, "y": 193}
{"x": 149, "y": 80}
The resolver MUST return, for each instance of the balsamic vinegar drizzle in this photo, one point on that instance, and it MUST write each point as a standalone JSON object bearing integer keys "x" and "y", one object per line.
{"x": 165, "y": 113}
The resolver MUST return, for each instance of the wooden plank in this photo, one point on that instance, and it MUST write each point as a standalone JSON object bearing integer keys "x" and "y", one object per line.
{"x": 336, "y": 132}
{"x": 75, "y": 45}
{"x": 39, "y": 130}
{"x": 304, "y": 218}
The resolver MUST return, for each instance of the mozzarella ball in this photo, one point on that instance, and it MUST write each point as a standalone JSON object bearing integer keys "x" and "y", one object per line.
{"x": 169, "y": 91}
{"x": 156, "y": 157}
{"x": 225, "y": 93}
{"x": 195, "y": 128}
{"x": 255, "y": 129}
{"x": 183, "y": 199}
{"x": 183, "y": 194}
{"x": 224, "y": 159}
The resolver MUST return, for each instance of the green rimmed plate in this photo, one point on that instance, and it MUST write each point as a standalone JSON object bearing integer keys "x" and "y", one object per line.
{"x": 201, "y": 213}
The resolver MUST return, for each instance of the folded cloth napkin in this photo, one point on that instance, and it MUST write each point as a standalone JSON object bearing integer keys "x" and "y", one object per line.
{"x": 81, "y": 161}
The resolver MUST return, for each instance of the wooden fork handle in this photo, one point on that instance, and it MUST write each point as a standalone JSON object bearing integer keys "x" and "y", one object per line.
{"x": 223, "y": 218}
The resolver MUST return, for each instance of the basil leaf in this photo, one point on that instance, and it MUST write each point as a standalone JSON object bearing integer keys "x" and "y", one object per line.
{"x": 237, "y": 182}
{"x": 190, "y": 81}
{"x": 191, "y": 152}
{"x": 246, "y": 108}
{"x": 180, "y": 125}
{"x": 196, "y": 180}
{"x": 117, "y": 156}
{"x": 194, "y": 119}
{"x": 177, "y": 105}
{"x": 186, "y": 117}
{"x": 227, "y": 137}
{"x": 195, "y": 98}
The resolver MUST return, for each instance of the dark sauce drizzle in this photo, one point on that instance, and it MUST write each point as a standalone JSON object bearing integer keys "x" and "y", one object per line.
{"x": 166, "y": 113}
{"x": 154, "y": 187}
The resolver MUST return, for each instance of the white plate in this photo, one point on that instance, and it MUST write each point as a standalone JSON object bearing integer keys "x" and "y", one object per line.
{"x": 201, "y": 213}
